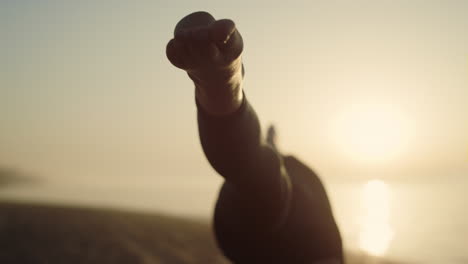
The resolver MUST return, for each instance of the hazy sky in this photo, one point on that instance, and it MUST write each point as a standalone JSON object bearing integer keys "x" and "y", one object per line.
{"x": 87, "y": 94}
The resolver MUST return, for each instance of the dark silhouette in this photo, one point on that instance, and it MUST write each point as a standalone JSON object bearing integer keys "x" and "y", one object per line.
{"x": 272, "y": 208}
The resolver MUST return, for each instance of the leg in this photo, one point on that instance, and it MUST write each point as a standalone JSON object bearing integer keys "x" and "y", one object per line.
{"x": 210, "y": 51}
{"x": 256, "y": 192}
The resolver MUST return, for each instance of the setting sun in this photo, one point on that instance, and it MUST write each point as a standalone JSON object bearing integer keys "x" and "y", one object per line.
{"x": 371, "y": 132}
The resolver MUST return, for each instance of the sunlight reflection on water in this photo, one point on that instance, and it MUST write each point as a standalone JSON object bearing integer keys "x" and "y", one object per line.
{"x": 376, "y": 232}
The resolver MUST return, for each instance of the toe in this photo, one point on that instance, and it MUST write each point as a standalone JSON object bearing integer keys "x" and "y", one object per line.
{"x": 222, "y": 29}
{"x": 196, "y": 19}
{"x": 176, "y": 53}
{"x": 182, "y": 35}
{"x": 200, "y": 47}
{"x": 228, "y": 39}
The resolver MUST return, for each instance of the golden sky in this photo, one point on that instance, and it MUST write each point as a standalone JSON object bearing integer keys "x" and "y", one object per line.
{"x": 356, "y": 88}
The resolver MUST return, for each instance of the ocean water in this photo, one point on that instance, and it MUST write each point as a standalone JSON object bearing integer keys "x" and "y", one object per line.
{"x": 419, "y": 223}
{"x": 428, "y": 222}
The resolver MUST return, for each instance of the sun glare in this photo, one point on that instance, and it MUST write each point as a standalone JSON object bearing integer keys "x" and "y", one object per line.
{"x": 371, "y": 133}
{"x": 376, "y": 232}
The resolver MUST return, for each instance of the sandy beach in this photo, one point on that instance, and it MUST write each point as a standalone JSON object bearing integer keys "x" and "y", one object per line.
{"x": 34, "y": 233}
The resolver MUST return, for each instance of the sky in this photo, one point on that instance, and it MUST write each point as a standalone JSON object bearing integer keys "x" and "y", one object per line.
{"x": 91, "y": 110}
{"x": 357, "y": 89}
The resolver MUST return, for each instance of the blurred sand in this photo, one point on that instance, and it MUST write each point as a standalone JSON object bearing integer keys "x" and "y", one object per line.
{"x": 43, "y": 234}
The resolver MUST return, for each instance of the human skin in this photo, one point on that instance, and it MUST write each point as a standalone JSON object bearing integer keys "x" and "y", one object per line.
{"x": 210, "y": 51}
{"x": 271, "y": 208}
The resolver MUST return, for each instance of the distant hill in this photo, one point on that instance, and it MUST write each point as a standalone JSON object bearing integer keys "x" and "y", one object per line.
{"x": 10, "y": 177}
{"x": 45, "y": 234}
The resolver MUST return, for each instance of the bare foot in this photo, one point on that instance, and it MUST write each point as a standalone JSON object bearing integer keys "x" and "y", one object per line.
{"x": 210, "y": 51}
